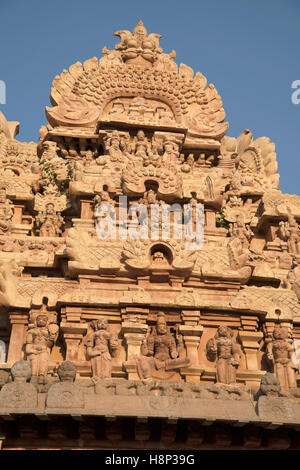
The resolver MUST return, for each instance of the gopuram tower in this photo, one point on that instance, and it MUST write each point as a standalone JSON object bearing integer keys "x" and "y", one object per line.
{"x": 149, "y": 278}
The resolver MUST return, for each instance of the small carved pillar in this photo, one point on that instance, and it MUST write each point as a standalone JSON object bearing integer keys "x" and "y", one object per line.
{"x": 73, "y": 334}
{"x": 250, "y": 341}
{"x": 134, "y": 333}
{"x": 17, "y": 217}
{"x": 17, "y": 337}
{"x": 210, "y": 219}
{"x": 86, "y": 212}
{"x": 191, "y": 336}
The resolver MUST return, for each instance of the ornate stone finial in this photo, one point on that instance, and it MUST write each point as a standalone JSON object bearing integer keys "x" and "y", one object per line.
{"x": 270, "y": 385}
{"x": 67, "y": 371}
{"x": 21, "y": 371}
{"x": 138, "y": 44}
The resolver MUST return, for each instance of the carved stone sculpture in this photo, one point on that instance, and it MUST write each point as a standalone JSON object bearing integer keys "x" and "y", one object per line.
{"x": 279, "y": 352}
{"x": 40, "y": 338}
{"x": 242, "y": 231}
{"x": 270, "y": 385}
{"x": 65, "y": 394}
{"x": 19, "y": 393}
{"x": 6, "y": 213}
{"x": 49, "y": 222}
{"x": 100, "y": 347}
{"x": 160, "y": 351}
{"x": 226, "y": 351}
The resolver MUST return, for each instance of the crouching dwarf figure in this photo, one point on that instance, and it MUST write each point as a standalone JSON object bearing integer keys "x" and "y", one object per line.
{"x": 223, "y": 347}
{"x": 160, "y": 351}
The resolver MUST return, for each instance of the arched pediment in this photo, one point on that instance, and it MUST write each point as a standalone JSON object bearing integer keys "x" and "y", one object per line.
{"x": 137, "y": 85}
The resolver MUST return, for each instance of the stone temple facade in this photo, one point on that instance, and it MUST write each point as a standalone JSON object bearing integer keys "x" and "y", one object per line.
{"x": 117, "y": 342}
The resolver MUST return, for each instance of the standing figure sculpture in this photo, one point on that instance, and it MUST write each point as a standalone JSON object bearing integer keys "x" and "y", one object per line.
{"x": 49, "y": 222}
{"x": 227, "y": 351}
{"x": 241, "y": 231}
{"x": 101, "y": 346}
{"x": 39, "y": 341}
{"x": 6, "y": 213}
{"x": 279, "y": 352}
{"x": 160, "y": 352}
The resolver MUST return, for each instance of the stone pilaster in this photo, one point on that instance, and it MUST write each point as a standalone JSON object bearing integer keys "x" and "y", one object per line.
{"x": 191, "y": 337}
{"x": 134, "y": 333}
{"x": 18, "y": 321}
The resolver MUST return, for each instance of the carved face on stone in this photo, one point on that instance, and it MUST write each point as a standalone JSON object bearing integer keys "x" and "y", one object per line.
{"x": 140, "y": 135}
{"x": 140, "y": 33}
{"x": 280, "y": 333}
{"x": 170, "y": 146}
{"x": 2, "y": 197}
{"x": 50, "y": 209}
{"x": 67, "y": 371}
{"x": 41, "y": 320}
{"x": 240, "y": 220}
{"x": 224, "y": 331}
{"x": 102, "y": 324}
{"x": 115, "y": 140}
{"x": 161, "y": 326}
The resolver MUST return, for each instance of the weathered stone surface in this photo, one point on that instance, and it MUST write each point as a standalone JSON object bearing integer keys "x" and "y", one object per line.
{"x": 100, "y": 277}
{"x": 275, "y": 408}
{"x": 65, "y": 394}
{"x": 19, "y": 394}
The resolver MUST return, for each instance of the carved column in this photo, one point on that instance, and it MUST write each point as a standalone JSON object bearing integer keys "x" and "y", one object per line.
{"x": 17, "y": 337}
{"x": 134, "y": 333}
{"x": 250, "y": 341}
{"x": 191, "y": 337}
{"x": 73, "y": 334}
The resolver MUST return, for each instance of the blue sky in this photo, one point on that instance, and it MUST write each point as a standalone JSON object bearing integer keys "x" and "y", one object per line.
{"x": 250, "y": 50}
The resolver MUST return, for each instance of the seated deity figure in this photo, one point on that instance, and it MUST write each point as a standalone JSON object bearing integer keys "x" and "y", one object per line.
{"x": 226, "y": 350}
{"x": 279, "y": 352}
{"x": 100, "y": 347}
{"x": 39, "y": 341}
{"x": 141, "y": 146}
{"x": 115, "y": 152}
{"x": 160, "y": 352}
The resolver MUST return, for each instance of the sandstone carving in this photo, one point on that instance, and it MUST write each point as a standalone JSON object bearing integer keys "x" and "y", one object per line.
{"x": 100, "y": 347}
{"x": 270, "y": 385}
{"x": 149, "y": 266}
{"x": 65, "y": 394}
{"x": 226, "y": 351}
{"x": 279, "y": 352}
{"x": 40, "y": 338}
{"x": 19, "y": 393}
{"x": 160, "y": 352}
